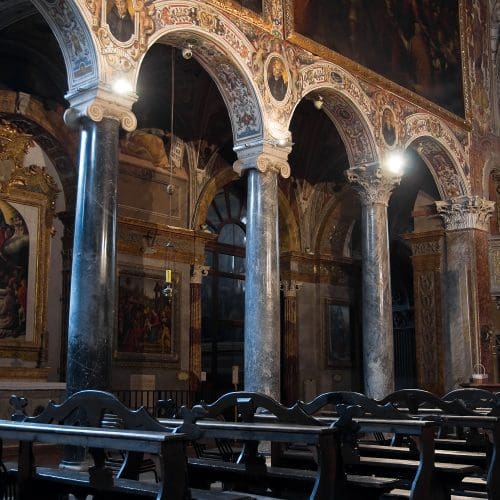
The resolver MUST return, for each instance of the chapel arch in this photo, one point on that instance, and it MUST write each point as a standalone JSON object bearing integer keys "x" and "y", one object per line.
{"x": 233, "y": 80}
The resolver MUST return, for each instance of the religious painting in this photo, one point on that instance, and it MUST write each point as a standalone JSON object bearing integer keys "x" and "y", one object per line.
{"x": 146, "y": 318}
{"x": 14, "y": 271}
{"x": 277, "y": 77}
{"x": 414, "y": 44}
{"x": 388, "y": 127}
{"x": 337, "y": 333}
{"x": 120, "y": 19}
{"x": 25, "y": 219}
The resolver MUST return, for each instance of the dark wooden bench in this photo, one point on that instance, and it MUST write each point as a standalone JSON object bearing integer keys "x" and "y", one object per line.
{"x": 290, "y": 425}
{"x": 79, "y": 422}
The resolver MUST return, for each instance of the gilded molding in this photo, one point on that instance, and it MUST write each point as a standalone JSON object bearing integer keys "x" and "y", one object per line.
{"x": 465, "y": 212}
{"x": 373, "y": 184}
{"x": 14, "y": 144}
{"x": 99, "y": 103}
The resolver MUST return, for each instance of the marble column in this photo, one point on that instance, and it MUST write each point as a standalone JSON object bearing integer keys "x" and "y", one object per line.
{"x": 92, "y": 308}
{"x": 262, "y": 284}
{"x": 375, "y": 186}
{"x": 465, "y": 285}
{"x": 290, "y": 343}
{"x": 197, "y": 274}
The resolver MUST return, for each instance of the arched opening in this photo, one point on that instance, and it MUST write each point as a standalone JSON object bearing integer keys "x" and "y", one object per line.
{"x": 223, "y": 290}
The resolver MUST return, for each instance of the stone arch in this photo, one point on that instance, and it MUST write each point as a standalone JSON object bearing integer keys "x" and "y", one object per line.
{"x": 348, "y": 107}
{"x": 441, "y": 152}
{"x": 223, "y": 51}
{"x": 45, "y": 127}
{"x": 75, "y": 40}
{"x": 218, "y": 181}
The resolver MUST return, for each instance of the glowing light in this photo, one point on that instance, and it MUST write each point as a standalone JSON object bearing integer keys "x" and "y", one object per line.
{"x": 395, "y": 163}
{"x": 122, "y": 86}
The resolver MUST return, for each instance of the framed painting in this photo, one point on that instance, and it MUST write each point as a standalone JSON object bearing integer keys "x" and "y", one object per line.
{"x": 257, "y": 12}
{"x": 337, "y": 334}
{"x": 415, "y": 45}
{"x": 25, "y": 221}
{"x": 147, "y": 319}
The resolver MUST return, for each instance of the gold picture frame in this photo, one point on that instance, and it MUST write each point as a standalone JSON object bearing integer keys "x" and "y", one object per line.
{"x": 27, "y": 216}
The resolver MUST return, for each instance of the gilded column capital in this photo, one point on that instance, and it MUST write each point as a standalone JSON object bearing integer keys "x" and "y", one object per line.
{"x": 374, "y": 184}
{"x": 290, "y": 287}
{"x": 198, "y": 272}
{"x": 264, "y": 157}
{"x": 99, "y": 103}
{"x": 465, "y": 212}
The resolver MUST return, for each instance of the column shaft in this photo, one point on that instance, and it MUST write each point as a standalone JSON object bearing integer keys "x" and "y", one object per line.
{"x": 290, "y": 345}
{"x": 93, "y": 278}
{"x": 378, "y": 343}
{"x": 195, "y": 338}
{"x": 262, "y": 300}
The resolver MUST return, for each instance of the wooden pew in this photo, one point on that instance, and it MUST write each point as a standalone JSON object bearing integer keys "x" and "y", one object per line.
{"x": 77, "y": 422}
{"x": 467, "y": 410}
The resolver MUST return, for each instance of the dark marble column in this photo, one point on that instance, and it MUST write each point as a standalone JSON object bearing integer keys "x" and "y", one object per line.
{"x": 93, "y": 276}
{"x": 262, "y": 286}
{"x": 466, "y": 285}
{"x": 375, "y": 187}
{"x": 290, "y": 343}
{"x": 98, "y": 114}
{"x": 197, "y": 273}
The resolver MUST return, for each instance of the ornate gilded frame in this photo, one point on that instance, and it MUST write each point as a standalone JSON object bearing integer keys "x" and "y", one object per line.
{"x": 232, "y": 7}
{"x": 138, "y": 358}
{"x": 375, "y": 79}
{"x": 36, "y": 209}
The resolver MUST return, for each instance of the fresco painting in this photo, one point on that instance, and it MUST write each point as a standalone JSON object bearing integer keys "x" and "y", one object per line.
{"x": 414, "y": 44}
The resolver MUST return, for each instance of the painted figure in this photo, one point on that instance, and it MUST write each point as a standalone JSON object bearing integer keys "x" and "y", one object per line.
{"x": 388, "y": 127}
{"x": 276, "y": 81}
{"x": 120, "y": 21}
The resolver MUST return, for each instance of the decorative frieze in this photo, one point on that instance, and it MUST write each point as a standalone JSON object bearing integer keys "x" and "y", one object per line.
{"x": 373, "y": 184}
{"x": 465, "y": 212}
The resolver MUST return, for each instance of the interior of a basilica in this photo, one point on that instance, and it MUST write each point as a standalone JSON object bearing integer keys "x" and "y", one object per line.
{"x": 282, "y": 196}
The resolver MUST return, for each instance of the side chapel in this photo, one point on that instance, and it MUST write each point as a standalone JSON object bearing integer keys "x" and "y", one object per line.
{"x": 284, "y": 196}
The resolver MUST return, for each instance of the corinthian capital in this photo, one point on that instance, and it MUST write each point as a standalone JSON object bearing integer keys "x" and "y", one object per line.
{"x": 99, "y": 103}
{"x": 373, "y": 184}
{"x": 465, "y": 212}
{"x": 198, "y": 272}
{"x": 262, "y": 157}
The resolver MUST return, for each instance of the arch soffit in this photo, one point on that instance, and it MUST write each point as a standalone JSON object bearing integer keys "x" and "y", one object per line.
{"x": 348, "y": 107}
{"x": 441, "y": 152}
{"x": 70, "y": 26}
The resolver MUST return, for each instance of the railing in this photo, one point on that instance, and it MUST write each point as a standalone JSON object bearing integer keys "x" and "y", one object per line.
{"x": 137, "y": 398}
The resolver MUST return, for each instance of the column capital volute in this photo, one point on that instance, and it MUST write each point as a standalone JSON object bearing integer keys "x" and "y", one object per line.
{"x": 290, "y": 287}
{"x": 264, "y": 156}
{"x": 465, "y": 212}
{"x": 373, "y": 183}
{"x": 198, "y": 272}
{"x": 98, "y": 103}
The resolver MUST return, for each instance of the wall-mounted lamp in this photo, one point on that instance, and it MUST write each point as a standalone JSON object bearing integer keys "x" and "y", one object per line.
{"x": 395, "y": 162}
{"x": 187, "y": 51}
{"x": 121, "y": 86}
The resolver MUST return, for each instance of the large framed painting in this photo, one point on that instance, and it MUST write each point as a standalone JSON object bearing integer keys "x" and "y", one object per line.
{"x": 413, "y": 44}
{"x": 24, "y": 253}
{"x": 337, "y": 334}
{"x": 147, "y": 319}
{"x": 257, "y": 12}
